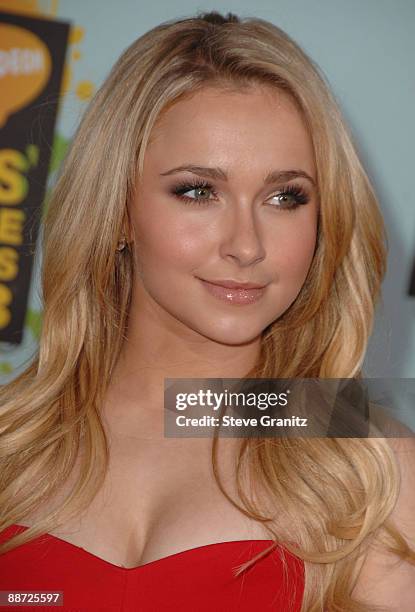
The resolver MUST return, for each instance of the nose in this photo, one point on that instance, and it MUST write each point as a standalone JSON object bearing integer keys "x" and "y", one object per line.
{"x": 242, "y": 241}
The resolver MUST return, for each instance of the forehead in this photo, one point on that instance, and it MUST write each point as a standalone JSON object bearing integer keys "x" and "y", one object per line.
{"x": 257, "y": 122}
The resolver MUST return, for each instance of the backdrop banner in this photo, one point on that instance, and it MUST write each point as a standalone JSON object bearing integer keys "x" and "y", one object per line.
{"x": 32, "y": 55}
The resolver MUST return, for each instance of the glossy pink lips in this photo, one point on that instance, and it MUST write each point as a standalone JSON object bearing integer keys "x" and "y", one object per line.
{"x": 237, "y": 295}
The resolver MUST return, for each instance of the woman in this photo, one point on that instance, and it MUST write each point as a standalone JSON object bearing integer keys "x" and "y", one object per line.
{"x": 214, "y": 154}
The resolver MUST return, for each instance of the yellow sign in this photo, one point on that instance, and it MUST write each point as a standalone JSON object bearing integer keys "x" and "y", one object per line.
{"x": 25, "y": 66}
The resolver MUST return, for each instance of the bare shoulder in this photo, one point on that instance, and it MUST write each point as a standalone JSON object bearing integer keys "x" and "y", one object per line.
{"x": 381, "y": 420}
{"x": 385, "y": 579}
{"x": 404, "y": 511}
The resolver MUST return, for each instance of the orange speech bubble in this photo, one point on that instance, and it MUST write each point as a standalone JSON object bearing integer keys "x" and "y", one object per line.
{"x": 25, "y": 66}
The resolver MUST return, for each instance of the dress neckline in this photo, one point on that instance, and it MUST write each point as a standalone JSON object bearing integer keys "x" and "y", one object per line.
{"x": 150, "y": 564}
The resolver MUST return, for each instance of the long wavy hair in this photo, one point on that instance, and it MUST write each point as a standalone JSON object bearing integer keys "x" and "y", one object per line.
{"x": 52, "y": 410}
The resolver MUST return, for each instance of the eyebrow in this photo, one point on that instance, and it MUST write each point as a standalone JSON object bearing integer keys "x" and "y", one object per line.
{"x": 274, "y": 176}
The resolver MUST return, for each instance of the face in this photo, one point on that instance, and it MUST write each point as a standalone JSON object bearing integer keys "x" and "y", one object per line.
{"x": 227, "y": 194}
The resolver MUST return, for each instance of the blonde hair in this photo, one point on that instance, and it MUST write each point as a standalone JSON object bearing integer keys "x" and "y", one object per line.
{"x": 53, "y": 405}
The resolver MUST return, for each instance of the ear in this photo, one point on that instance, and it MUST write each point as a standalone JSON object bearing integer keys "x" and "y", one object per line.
{"x": 127, "y": 226}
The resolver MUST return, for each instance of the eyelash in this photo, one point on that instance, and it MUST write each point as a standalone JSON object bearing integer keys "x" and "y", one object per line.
{"x": 295, "y": 191}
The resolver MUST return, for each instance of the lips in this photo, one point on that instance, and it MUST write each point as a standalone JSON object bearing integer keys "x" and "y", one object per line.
{"x": 237, "y": 294}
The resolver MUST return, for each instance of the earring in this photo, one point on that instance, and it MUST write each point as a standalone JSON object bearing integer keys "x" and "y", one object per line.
{"x": 121, "y": 244}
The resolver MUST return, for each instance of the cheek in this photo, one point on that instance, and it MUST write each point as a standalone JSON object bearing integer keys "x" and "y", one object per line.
{"x": 294, "y": 252}
{"x": 169, "y": 243}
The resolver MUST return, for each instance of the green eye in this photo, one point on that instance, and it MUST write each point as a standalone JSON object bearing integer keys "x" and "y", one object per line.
{"x": 201, "y": 190}
{"x": 291, "y": 197}
{"x": 201, "y": 193}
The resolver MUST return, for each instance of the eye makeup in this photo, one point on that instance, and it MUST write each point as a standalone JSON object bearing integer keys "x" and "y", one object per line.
{"x": 196, "y": 185}
{"x": 292, "y": 195}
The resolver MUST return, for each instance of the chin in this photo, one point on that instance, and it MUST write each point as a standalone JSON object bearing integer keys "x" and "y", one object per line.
{"x": 232, "y": 335}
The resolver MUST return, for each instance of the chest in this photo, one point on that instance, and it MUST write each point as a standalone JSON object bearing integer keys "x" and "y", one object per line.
{"x": 159, "y": 499}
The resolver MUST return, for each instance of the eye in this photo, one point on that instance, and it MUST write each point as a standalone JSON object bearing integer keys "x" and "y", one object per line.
{"x": 197, "y": 192}
{"x": 200, "y": 193}
{"x": 290, "y": 197}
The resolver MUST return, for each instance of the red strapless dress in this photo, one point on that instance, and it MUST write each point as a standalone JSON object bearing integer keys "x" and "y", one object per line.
{"x": 195, "y": 580}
